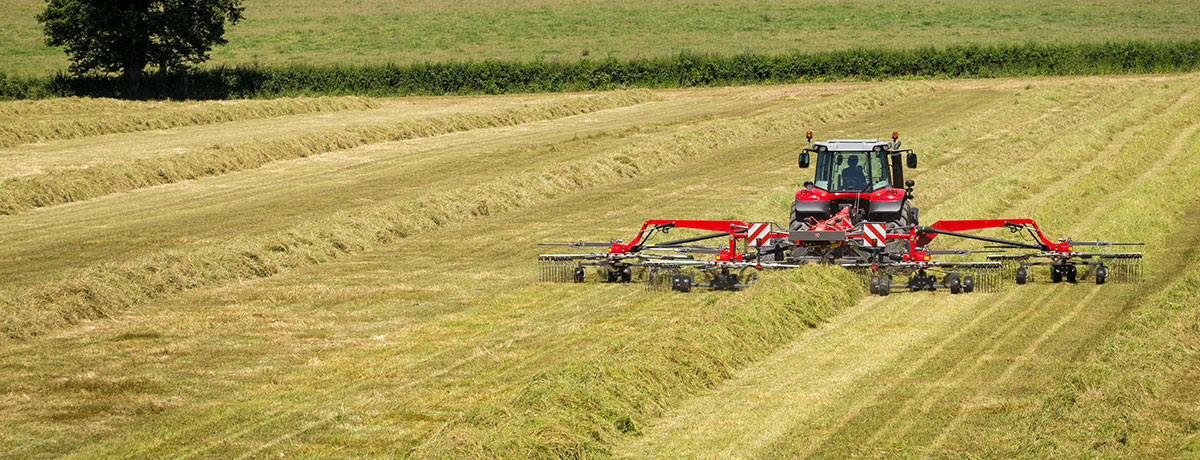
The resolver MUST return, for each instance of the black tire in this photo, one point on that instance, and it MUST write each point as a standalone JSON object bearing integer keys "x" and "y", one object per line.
{"x": 1056, "y": 275}
{"x": 1101, "y": 274}
{"x": 1071, "y": 272}
{"x": 968, "y": 284}
{"x": 626, "y": 275}
{"x": 954, "y": 283}
{"x": 579, "y": 274}
{"x": 1022, "y": 275}
{"x": 885, "y": 286}
{"x": 874, "y": 284}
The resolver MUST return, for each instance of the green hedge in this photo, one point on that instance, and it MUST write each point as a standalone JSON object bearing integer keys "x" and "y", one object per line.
{"x": 683, "y": 70}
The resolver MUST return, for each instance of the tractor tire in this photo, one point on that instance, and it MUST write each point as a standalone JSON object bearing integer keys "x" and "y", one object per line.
{"x": 1101, "y": 274}
{"x": 681, "y": 283}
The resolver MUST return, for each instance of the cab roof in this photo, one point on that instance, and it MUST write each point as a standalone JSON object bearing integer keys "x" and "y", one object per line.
{"x": 851, "y": 145}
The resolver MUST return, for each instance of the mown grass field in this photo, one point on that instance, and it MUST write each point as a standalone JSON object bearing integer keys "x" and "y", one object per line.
{"x": 375, "y": 295}
{"x": 374, "y": 32}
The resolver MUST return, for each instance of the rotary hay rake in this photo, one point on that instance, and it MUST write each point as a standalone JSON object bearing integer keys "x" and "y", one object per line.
{"x": 855, "y": 213}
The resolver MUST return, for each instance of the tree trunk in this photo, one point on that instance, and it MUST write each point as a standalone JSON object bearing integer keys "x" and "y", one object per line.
{"x": 133, "y": 74}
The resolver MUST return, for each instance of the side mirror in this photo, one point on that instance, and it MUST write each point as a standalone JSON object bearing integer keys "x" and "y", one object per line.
{"x": 803, "y": 160}
{"x": 911, "y": 160}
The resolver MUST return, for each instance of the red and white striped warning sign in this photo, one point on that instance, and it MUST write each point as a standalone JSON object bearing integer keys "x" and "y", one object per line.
{"x": 874, "y": 235}
{"x": 758, "y": 233}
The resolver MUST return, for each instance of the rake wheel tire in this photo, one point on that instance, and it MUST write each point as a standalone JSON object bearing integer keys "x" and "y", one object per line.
{"x": 578, "y": 274}
{"x": 1101, "y": 274}
{"x": 954, "y": 283}
{"x": 968, "y": 284}
{"x": 1071, "y": 272}
{"x": 1056, "y": 275}
{"x": 1022, "y": 275}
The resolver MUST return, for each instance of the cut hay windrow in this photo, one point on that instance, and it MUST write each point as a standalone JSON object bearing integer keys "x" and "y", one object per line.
{"x": 75, "y": 184}
{"x": 581, "y": 410}
{"x": 20, "y": 122}
{"x": 103, "y": 290}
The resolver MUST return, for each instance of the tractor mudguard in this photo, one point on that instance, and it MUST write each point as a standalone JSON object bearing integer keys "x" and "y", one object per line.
{"x": 885, "y": 207}
{"x": 810, "y": 208}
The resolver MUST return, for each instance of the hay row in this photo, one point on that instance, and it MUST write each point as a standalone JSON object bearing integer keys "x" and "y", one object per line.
{"x": 21, "y": 125}
{"x": 67, "y": 185}
{"x": 582, "y": 410}
{"x": 105, "y": 289}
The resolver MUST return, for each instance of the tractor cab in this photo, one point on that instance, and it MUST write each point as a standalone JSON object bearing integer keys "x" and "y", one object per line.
{"x": 851, "y": 166}
{"x": 865, "y": 175}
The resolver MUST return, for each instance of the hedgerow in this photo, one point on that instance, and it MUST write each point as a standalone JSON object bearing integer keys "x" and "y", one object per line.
{"x": 682, "y": 70}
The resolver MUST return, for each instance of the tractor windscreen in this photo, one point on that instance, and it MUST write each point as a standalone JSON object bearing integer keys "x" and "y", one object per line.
{"x": 851, "y": 171}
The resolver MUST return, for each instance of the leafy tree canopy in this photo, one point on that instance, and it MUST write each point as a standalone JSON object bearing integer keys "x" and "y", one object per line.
{"x": 128, "y": 35}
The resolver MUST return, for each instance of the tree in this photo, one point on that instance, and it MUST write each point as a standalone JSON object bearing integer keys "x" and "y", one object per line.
{"x": 128, "y": 35}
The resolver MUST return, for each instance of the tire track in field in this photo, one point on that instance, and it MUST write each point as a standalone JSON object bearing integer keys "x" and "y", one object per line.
{"x": 1026, "y": 356}
{"x": 970, "y": 362}
{"x": 927, "y": 397}
{"x": 959, "y": 376}
{"x": 912, "y": 370}
{"x": 1178, "y": 148}
{"x": 1115, "y": 148}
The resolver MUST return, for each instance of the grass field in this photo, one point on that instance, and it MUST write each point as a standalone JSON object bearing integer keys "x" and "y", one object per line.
{"x": 374, "y": 32}
{"x": 377, "y": 298}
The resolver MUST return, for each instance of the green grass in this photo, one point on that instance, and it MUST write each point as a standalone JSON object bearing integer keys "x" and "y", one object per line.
{"x": 370, "y": 32}
{"x": 379, "y": 301}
